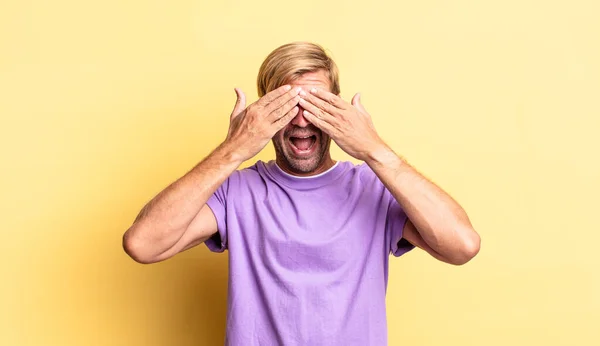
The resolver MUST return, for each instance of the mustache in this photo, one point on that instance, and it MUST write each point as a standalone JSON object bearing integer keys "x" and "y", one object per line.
{"x": 297, "y": 131}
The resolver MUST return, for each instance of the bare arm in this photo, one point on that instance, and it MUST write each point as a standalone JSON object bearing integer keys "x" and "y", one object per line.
{"x": 178, "y": 217}
{"x": 437, "y": 223}
{"x": 159, "y": 231}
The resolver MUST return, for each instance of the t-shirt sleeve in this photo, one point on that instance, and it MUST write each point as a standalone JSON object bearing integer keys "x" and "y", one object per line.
{"x": 396, "y": 218}
{"x": 218, "y": 204}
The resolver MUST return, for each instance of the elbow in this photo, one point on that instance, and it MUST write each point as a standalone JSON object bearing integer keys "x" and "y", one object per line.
{"x": 468, "y": 249}
{"x": 134, "y": 248}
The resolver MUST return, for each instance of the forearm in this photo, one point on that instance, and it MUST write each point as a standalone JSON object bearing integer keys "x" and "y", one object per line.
{"x": 163, "y": 220}
{"x": 440, "y": 220}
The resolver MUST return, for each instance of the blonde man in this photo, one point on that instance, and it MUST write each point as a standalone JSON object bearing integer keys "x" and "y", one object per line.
{"x": 308, "y": 237}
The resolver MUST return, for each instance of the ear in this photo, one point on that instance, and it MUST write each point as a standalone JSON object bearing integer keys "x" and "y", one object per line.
{"x": 356, "y": 103}
{"x": 240, "y": 103}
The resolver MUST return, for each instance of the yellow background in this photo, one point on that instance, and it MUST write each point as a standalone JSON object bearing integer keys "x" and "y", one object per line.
{"x": 104, "y": 103}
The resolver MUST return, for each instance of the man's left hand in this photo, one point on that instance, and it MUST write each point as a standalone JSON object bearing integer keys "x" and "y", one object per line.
{"x": 349, "y": 125}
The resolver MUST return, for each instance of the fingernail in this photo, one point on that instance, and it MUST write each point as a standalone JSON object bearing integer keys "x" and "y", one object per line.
{"x": 298, "y": 90}
{"x": 288, "y": 87}
{"x": 313, "y": 90}
{"x": 302, "y": 93}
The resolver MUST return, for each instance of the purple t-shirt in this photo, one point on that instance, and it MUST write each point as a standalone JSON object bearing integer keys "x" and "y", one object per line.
{"x": 308, "y": 256}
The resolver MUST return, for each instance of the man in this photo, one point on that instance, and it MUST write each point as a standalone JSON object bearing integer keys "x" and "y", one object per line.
{"x": 308, "y": 237}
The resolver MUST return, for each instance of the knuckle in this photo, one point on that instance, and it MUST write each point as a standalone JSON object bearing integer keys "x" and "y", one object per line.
{"x": 324, "y": 105}
{"x": 278, "y": 112}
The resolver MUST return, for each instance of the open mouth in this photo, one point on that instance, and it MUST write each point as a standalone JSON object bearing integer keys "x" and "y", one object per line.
{"x": 304, "y": 143}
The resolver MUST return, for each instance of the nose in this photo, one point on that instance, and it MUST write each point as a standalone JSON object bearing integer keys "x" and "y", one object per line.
{"x": 299, "y": 120}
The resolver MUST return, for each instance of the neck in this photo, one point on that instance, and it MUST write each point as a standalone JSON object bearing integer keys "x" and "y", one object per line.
{"x": 326, "y": 163}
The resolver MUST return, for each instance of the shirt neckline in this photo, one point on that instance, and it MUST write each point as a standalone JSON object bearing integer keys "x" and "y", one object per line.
{"x": 305, "y": 183}
{"x": 307, "y": 177}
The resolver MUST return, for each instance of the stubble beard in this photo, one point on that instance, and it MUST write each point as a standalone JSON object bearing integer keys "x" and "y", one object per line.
{"x": 298, "y": 164}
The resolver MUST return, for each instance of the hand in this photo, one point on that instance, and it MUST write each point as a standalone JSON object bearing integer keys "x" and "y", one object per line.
{"x": 349, "y": 125}
{"x": 250, "y": 129}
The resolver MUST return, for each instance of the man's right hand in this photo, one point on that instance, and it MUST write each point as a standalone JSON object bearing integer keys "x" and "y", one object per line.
{"x": 251, "y": 128}
{"x": 178, "y": 218}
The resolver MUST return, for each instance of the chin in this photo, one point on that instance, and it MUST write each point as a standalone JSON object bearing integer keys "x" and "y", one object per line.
{"x": 300, "y": 161}
{"x": 302, "y": 166}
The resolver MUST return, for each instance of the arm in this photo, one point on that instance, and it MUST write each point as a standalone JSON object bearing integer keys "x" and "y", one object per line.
{"x": 436, "y": 223}
{"x": 178, "y": 217}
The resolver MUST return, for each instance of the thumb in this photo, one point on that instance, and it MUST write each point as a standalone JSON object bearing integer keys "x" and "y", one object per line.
{"x": 356, "y": 103}
{"x": 240, "y": 103}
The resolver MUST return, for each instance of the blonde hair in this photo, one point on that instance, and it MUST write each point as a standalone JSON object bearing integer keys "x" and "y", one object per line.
{"x": 290, "y": 61}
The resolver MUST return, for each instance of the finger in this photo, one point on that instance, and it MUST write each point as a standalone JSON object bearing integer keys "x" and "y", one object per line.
{"x": 281, "y": 100}
{"x": 318, "y": 122}
{"x": 356, "y": 103}
{"x": 330, "y": 98}
{"x": 240, "y": 103}
{"x": 272, "y": 95}
{"x": 322, "y": 104}
{"x": 283, "y": 109}
{"x": 317, "y": 110}
{"x": 284, "y": 120}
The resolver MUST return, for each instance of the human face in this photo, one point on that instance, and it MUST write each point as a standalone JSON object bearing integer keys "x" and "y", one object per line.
{"x": 301, "y": 148}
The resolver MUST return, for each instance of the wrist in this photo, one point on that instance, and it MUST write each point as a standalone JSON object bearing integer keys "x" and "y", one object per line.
{"x": 378, "y": 153}
{"x": 382, "y": 155}
{"x": 231, "y": 153}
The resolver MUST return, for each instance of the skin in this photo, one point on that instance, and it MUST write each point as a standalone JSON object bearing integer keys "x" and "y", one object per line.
{"x": 320, "y": 160}
{"x": 178, "y": 218}
{"x": 436, "y": 222}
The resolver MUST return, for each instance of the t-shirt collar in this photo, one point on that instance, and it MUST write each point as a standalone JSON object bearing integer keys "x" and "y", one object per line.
{"x": 308, "y": 182}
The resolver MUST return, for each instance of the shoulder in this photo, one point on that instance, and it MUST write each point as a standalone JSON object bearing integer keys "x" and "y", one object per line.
{"x": 360, "y": 176}
{"x": 366, "y": 174}
{"x": 250, "y": 176}
{"x": 250, "y": 172}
